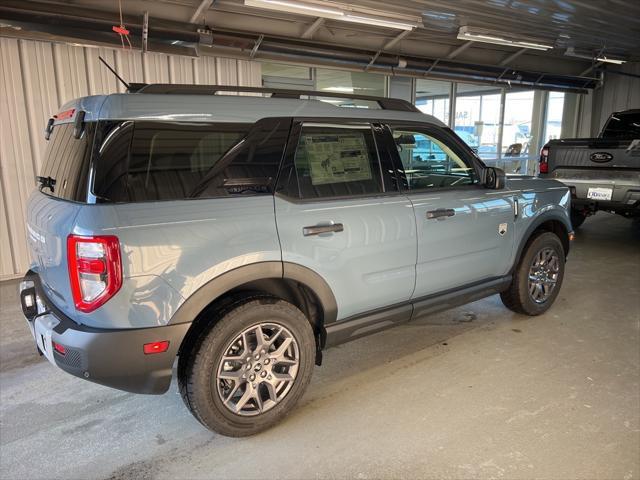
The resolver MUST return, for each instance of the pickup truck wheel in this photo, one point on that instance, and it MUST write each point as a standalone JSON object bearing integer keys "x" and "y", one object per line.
{"x": 249, "y": 370}
{"x": 577, "y": 218}
{"x": 538, "y": 277}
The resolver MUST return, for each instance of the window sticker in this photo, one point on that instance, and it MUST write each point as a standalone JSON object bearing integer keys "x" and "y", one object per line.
{"x": 335, "y": 158}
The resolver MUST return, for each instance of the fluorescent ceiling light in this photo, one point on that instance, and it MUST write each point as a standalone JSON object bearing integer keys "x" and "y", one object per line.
{"x": 378, "y": 21}
{"x": 339, "y": 89}
{"x": 473, "y": 35}
{"x": 295, "y": 7}
{"x": 320, "y": 10}
{"x": 617, "y": 61}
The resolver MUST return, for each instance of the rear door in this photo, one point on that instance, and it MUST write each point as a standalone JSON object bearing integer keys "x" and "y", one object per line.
{"x": 465, "y": 231}
{"x": 339, "y": 213}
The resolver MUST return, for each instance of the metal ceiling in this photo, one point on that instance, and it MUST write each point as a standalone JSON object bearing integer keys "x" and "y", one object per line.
{"x": 432, "y": 50}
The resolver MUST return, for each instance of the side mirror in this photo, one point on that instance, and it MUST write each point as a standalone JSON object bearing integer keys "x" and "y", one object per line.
{"x": 494, "y": 178}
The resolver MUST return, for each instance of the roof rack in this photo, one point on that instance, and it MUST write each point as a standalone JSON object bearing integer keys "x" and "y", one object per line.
{"x": 186, "y": 89}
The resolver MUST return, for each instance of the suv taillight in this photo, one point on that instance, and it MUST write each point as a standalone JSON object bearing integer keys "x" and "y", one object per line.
{"x": 544, "y": 160}
{"x": 95, "y": 269}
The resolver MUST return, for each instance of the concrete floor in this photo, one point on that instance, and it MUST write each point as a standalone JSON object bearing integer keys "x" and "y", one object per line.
{"x": 474, "y": 392}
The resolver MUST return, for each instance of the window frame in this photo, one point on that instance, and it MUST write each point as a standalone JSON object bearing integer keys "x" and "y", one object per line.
{"x": 288, "y": 174}
{"x": 442, "y": 134}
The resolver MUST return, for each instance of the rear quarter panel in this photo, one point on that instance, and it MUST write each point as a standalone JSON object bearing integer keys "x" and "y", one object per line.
{"x": 170, "y": 249}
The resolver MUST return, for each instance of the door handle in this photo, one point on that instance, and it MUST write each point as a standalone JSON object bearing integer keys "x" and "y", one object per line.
{"x": 441, "y": 213}
{"x": 320, "y": 229}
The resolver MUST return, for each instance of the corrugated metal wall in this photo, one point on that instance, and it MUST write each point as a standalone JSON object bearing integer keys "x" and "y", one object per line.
{"x": 619, "y": 92}
{"x": 36, "y": 78}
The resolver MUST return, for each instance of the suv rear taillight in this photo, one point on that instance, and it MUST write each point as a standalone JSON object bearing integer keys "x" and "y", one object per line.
{"x": 544, "y": 160}
{"x": 95, "y": 269}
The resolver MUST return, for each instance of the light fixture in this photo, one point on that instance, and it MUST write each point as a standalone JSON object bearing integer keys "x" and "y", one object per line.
{"x": 381, "y": 22}
{"x": 587, "y": 55}
{"x": 296, "y": 7}
{"x": 485, "y": 36}
{"x": 319, "y": 10}
{"x": 617, "y": 61}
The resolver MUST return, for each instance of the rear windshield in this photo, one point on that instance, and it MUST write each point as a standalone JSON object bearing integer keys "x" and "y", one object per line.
{"x": 66, "y": 162}
{"x": 623, "y": 125}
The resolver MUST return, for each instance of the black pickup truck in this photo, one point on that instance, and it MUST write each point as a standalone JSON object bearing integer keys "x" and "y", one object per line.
{"x": 602, "y": 173}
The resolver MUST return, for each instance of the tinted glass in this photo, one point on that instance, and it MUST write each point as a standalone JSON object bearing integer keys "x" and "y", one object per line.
{"x": 67, "y": 160}
{"x": 111, "y": 161}
{"x": 147, "y": 161}
{"x": 428, "y": 162}
{"x": 336, "y": 162}
{"x": 623, "y": 125}
{"x": 167, "y": 161}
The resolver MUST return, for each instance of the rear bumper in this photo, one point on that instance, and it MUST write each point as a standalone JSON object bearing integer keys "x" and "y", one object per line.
{"x": 114, "y": 358}
{"x": 625, "y": 189}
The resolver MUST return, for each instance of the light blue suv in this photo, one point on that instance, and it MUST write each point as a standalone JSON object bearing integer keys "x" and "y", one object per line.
{"x": 243, "y": 235}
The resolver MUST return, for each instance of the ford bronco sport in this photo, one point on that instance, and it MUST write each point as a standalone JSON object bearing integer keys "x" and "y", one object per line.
{"x": 243, "y": 235}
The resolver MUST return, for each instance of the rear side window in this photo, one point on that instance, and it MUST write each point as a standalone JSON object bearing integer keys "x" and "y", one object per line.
{"x": 67, "y": 161}
{"x": 337, "y": 161}
{"x": 151, "y": 161}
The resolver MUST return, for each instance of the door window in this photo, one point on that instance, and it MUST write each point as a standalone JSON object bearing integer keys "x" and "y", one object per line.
{"x": 336, "y": 161}
{"x": 428, "y": 162}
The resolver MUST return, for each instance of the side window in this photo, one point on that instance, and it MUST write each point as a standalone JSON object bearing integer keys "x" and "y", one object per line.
{"x": 428, "y": 162}
{"x": 149, "y": 161}
{"x": 337, "y": 161}
{"x": 168, "y": 160}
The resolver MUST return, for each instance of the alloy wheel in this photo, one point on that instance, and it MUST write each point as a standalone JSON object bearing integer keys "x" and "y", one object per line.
{"x": 258, "y": 369}
{"x": 543, "y": 274}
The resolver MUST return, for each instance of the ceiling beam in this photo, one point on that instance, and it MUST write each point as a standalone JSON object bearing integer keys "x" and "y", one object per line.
{"x": 459, "y": 50}
{"x": 387, "y": 46}
{"x": 256, "y": 46}
{"x": 396, "y": 39}
{"x": 202, "y": 9}
{"x": 595, "y": 65}
{"x": 512, "y": 57}
{"x": 311, "y": 29}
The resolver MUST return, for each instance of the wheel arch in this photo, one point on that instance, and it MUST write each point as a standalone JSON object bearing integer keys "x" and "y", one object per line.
{"x": 292, "y": 282}
{"x": 551, "y": 221}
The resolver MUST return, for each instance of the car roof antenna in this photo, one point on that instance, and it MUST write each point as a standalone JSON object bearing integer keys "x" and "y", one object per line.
{"x": 114, "y": 72}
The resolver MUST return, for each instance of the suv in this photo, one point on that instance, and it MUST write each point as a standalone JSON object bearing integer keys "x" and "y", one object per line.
{"x": 243, "y": 235}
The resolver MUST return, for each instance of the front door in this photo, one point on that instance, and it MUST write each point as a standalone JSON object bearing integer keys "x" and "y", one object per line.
{"x": 340, "y": 214}
{"x": 465, "y": 231}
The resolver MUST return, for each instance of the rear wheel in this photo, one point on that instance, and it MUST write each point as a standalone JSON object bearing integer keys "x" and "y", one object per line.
{"x": 577, "y": 218}
{"x": 248, "y": 371}
{"x": 538, "y": 277}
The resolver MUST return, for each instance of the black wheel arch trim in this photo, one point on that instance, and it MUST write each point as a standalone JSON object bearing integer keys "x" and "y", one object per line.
{"x": 226, "y": 282}
{"x": 552, "y": 215}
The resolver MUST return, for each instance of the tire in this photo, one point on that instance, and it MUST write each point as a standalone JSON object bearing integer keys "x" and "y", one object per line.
{"x": 577, "y": 218}
{"x": 518, "y": 296}
{"x": 232, "y": 397}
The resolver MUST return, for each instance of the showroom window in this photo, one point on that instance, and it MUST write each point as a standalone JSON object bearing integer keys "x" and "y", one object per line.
{"x": 555, "y": 112}
{"x": 517, "y": 125}
{"x": 477, "y": 119}
{"x": 432, "y": 98}
{"x": 357, "y": 83}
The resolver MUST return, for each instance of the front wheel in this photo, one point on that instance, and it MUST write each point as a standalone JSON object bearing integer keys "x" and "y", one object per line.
{"x": 248, "y": 371}
{"x": 538, "y": 277}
